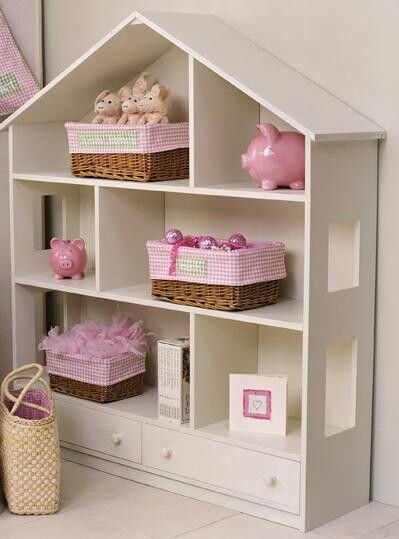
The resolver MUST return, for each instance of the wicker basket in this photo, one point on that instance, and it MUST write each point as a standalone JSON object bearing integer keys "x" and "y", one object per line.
{"x": 219, "y": 297}
{"x": 29, "y": 447}
{"x": 127, "y": 152}
{"x": 123, "y": 390}
{"x": 99, "y": 380}
{"x": 216, "y": 279}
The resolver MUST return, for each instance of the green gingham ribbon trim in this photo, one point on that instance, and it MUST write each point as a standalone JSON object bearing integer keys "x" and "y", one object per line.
{"x": 191, "y": 266}
{"x": 8, "y": 84}
{"x": 108, "y": 139}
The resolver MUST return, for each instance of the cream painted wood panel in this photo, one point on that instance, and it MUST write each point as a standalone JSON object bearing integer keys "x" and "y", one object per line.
{"x": 245, "y": 189}
{"x": 101, "y": 432}
{"x": 223, "y": 120}
{"x": 118, "y": 65}
{"x": 40, "y": 148}
{"x": 171, "y": 70}
{"x": 262, "y": 76}
{"x": 172, "y": 483}
{"x": 125, "y": 221}
{"x": 221, "y": 347}
{"x": 280, "y": 352}
{"x": 27, "y": 308}
{"x": 342, "y": 180}
{"x": 268, "y": 480}
{"x": 27, "y": 222}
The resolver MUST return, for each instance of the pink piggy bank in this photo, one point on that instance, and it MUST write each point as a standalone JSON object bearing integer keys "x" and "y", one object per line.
{"x": 68, "y": 258}
{"x": 276, "y": 159}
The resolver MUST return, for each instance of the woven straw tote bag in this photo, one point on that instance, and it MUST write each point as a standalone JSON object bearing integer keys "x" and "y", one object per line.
{"x": 1, "y": 499}
{"x": 29, "y": 446}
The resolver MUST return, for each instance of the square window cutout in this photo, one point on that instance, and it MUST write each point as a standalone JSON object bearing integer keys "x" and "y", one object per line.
{"x": 343, "y": 255}
{"x": 341, "y": 373}
{"x": 48, "y": 220}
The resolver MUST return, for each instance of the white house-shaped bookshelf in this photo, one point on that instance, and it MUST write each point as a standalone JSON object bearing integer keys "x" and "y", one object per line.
{"x": 320, "y": 333}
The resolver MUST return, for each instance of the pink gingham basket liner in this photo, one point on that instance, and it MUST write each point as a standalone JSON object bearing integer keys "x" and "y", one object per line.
{"x": 260, "y": 262}
{"x": 100, "y": 138}
{"x": 17, "y": 84}
{"x": 100, "y": 372}
{"x": 35, "y": 396}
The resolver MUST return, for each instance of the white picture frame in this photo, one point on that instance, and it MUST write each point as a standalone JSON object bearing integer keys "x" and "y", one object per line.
{"x": 258, "y": 403}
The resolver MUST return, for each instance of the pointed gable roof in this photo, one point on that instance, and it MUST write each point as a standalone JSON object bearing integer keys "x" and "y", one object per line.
{"x": 303, "y": 104}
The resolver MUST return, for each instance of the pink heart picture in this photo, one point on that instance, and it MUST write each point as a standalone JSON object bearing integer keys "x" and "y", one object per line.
{"x": 257, "y": 404}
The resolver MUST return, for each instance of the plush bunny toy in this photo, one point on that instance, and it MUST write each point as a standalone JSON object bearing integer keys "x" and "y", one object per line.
{"x": 108, "y": 108}
{"x": 131, "y": 99}
{"x": 154, "y": 106}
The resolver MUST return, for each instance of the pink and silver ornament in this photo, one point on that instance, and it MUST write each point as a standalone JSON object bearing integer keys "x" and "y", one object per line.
{"x": 173, "y": 236}
{"x": 207, "y": 242}
{"x": 237, "y": 241}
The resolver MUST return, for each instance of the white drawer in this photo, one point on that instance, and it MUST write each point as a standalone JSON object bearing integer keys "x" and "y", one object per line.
{"x": 271, "y": 480}
{"x": 99, "y": 431}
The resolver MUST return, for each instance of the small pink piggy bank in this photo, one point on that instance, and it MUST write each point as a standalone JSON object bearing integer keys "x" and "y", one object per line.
{"x": 68, "y": 258}
{"x": 276, "y": 159}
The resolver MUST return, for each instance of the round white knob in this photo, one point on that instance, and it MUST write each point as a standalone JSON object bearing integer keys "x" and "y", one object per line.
{"x": 166, "y": 452}
{"x": 116, "y": 438}
{"x": 270, "y": 480}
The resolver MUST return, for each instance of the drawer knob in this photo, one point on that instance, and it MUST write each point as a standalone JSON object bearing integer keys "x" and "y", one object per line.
{"x": 116, "y": 438}
{"x": 166, "y": 452}
{"x": 270, "y": 480}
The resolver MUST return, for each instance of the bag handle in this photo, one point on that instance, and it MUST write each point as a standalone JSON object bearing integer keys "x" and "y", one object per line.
{"x": 21, "y": 373}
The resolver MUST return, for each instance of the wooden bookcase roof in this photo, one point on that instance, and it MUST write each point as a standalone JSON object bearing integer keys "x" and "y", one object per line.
{"x": 144, "y": 36}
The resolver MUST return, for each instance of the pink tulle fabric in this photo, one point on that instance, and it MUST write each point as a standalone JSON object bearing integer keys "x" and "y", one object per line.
{"x": 99, "y": 341}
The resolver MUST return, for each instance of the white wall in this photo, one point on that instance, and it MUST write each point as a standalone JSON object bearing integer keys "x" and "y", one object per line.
{"x": 348, "y": 47}
{"x": 27, "y": 32}
{"x": 5, "y": 278}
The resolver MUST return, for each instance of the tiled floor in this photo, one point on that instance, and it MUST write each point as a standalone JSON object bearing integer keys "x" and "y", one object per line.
{"x": 100, "y": 506}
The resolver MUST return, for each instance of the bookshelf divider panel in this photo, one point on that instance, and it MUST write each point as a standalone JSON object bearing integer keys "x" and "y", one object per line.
{"x": 73, "y": 218}
{"x": 28, "y": 313}
{"x": 40, "y": 148}
{"x": 266, "y": 116}
{"x": 223, "y": 122}
{"x": 193, "y": 379}
{"x": 126, "y": 220}
{"x": 280, "y": 353}
{"x": 222, "y": 347}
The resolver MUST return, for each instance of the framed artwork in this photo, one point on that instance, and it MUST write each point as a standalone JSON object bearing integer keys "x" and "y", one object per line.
{"x": 258, "y": 403}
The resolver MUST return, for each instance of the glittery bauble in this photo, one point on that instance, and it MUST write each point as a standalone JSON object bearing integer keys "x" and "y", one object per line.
{"x": 173, "y": 235}
{"x": 237, "y": 241}
{"x": 190, "y": 241}
{"x": 207, "y": 242}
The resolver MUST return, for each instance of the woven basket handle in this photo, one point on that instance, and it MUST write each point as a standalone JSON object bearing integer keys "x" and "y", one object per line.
{"x": 21, "y": 374}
